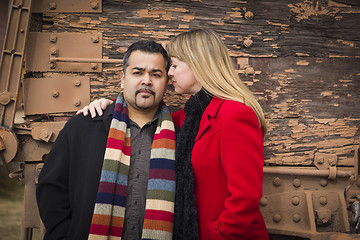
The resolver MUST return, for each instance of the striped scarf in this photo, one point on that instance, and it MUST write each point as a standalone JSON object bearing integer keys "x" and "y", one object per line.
{"x": 108, "y": 217}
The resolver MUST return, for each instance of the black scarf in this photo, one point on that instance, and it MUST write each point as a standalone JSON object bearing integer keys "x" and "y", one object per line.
{"x": 185, "y": 220}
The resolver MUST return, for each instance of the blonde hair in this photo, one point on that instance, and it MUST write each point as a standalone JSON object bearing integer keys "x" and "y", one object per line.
{"x": 210, "y": 62}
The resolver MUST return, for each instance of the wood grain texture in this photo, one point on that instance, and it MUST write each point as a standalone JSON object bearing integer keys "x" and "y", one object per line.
{"x": 303, "y": 64}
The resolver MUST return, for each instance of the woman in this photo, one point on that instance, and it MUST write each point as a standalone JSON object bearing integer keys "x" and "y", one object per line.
{"x": 219, "y": 148}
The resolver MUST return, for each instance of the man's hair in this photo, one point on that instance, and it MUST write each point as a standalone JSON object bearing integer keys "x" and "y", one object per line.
{"x": 147, "y": 46}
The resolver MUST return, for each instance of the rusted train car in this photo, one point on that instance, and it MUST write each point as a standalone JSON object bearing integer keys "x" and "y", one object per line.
{"x": 301, "y": 58}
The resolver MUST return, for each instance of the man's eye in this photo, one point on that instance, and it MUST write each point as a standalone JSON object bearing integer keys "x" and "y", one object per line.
{"x": 174, "y": 66}
{"x": 156, "y": 75}
{"x": 136, "y": 73}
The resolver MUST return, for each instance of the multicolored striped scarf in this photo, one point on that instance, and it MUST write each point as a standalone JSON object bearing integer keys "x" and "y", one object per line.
{"x": 108, "y": 217}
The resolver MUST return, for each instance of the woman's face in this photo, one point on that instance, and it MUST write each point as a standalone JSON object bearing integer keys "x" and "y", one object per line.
{"x": 183, "y": 78}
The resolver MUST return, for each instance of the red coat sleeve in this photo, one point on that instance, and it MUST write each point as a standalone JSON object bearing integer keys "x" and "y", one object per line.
{"x": 242, "y": 159}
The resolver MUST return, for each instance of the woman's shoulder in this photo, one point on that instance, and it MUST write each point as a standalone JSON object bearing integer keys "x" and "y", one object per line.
{"x": 230, "y": 109}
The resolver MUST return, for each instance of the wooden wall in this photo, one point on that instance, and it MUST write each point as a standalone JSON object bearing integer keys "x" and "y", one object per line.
{"x": 303, "y": 64}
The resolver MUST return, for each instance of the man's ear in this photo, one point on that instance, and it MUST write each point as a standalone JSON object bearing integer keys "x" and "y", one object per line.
{"x": 122, "y": 76}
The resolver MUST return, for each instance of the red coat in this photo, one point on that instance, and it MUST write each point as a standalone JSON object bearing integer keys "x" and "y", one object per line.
{"x": 228, "y": 160}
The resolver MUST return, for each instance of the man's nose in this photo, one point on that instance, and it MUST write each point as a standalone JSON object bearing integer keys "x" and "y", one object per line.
{"x": 147, "y": 79}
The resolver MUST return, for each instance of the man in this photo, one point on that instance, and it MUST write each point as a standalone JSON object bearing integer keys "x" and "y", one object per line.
{"x": 115, "y": 180}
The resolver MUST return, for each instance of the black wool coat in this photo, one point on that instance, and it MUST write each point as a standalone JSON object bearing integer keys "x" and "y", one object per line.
{"x": 69, "y": 180}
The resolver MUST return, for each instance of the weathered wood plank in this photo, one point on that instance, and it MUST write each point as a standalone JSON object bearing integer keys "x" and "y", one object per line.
{"x": 303, "y": 65}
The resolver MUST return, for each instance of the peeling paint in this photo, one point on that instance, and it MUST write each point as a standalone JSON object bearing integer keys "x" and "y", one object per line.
{"x": 302, "y": 63}
{"x": 306, "y": 9}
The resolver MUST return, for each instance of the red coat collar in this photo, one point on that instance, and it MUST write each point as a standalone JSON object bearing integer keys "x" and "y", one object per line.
{"x": 209, "y": 113}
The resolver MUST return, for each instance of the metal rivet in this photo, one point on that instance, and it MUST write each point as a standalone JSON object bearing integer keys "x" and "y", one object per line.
{"x": 323, "y": 182}
{"x": 94, "y": 5}
{"x": 323, "y": 200}
{"x": 320, "y": 160}
{"x": 276, "y": 218}
{"x": 52, "y": 5}
{"x": 297, "y": 182}
{"x": 277, "y": 182}
{"x": 95, "y": 39}
{"x": 263, "y": 201}
{"x": 5, "y": 98}
{"x": 249, "y": 15}
{"x": 43, "y": 134}
{"x": 249, "y": 70}
{"x": 55, "y": 94}
{"x": 52, "y": 65}
{"x": 295, "y": 201}
{"x": 296, "y": 217}
{"x": 77, "y": 103}
{"x": 53, "y": 38}
{"x": 54, "y": 51}
{"x": 248, "y": 42}
{"x": 22, "y": 30}
{"x": 77, "y": 83}
{"x": 94, "y": 66}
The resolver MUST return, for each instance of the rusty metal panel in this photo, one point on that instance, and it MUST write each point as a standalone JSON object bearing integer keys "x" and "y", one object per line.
{"x": 67, "y": 6}
{"x": 43, "y": 46}
{"x": 54, "y": 95}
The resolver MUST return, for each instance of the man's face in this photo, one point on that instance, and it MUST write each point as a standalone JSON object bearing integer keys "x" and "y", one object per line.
{"x": 145, "y": 80}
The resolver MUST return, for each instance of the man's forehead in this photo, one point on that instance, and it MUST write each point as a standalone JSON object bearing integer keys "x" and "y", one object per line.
{"x": 139, "y": 59}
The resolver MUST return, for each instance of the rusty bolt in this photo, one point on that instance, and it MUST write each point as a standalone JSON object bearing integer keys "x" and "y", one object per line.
{"x": 297, "y": 182}
{"x": 276, "y": 218}
{"x": 53, "y": 38}
{"x": 94, "y": 5}
{"x": 296, "y": 217}
{"x": 94, "y": 66}
{"x": 323, "y": 182}
{"x": 263, "y": 201}
{"x": 5, "y": 98}
{"x": 95, "y": 39}
{"x": 277, "y": 182}
{"x": 249, "y": 70}
{"x": 44, "y": 134}
{"x": 54, "y": 51}
{"x": 52, "y": 5}
{"x": 249, "y": 15}
{"x": 77, "y": 83}
{"x": 77, "y": 103}
{"x": 323, "y": 200}
{"x": 55, "y": 94}
{"x": 320, "y": 160}
{"x": 323, "y": 217}
{"x": 295, "y": 200}
{"x": 333, "y": 161}
{"x": 248, "y": 42}
{"x": 52, "y": 65}
{"x": 22, "y": 30}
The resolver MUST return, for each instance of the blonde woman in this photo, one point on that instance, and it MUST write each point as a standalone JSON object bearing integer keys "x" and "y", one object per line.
{"x": 219, "y": 147}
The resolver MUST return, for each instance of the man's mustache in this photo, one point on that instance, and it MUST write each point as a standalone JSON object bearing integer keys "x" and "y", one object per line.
{"x": 145, "y": 89}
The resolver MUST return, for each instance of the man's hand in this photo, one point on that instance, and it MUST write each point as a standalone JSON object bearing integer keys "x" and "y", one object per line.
{"x": 94, "y": 107}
